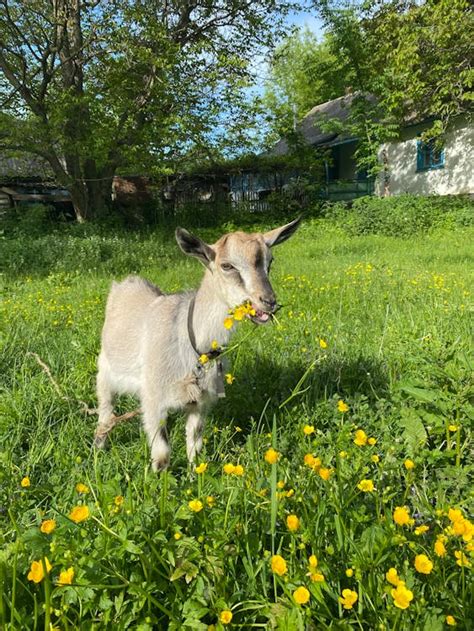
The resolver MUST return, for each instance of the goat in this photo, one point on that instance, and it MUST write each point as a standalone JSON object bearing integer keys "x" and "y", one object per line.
{"x": 152, "y": 342}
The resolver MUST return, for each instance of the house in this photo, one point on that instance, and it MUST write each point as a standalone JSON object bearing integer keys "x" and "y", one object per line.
{"x": 408, "y": 165}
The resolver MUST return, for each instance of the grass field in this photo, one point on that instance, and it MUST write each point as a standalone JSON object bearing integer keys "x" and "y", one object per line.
{"x": 361, "y": 389}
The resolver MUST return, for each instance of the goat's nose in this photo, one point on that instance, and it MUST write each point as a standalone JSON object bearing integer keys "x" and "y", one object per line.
{"x": 269, "y": 301}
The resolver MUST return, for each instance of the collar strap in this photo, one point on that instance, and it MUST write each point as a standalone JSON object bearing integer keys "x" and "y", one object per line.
{"x": 213, "y": 353}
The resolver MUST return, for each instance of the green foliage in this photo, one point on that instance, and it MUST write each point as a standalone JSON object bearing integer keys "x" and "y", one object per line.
{"x": 402, "y": 215}
{"x": 379, "y": 322}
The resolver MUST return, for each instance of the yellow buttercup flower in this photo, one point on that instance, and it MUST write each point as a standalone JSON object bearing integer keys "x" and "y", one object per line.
{"x": 313, "y": 561}
{"x": 401, "y": 516}
{"x": 409, "y": 464}
{"x": 47, "y": 526}
{"x": 308, "y": 430}
{"x": 392, "y": 577}
{"x": 360, "y": 438}
{"x": 439, "y": 548}
{"x": 239, "y": 470}
{"x": 119, "y": 500}
{"x": 423, "y": 564}
{"x": 322, "y": 343}
{"x": 79, "y": 513}
{"x": 455, "y": 514}
{"x": 372, "y": 441}
{"x": 451, "y": 621}
{"x": 342, "y": 407}
{"x": 82, "y": 488}
{"x": 462, "y": 559}
{"x": 271, "y": 456}
{"x": 375, "y": 458}
{"x": 195, "y": 505}
{"x": 177, "y": 536}
{"x": 316, "y": 577}
{"x": 25, "y": 483}
{"x": 420, "y": 530}
{"x": 214, "y": 345}
{"x": 366, "y": 486}
{"x": 228, "y": 468}
{"x": 349, "y": 572}
{"x": 463, "y": 528}
{"x": 201, "y": 468}
{"x": 453, "y": 428}
{"x": 229, "y": 378}
{"x": 36, "y": 573}
{"x": 228, "y": 323}
{"x": 66, "y": 576}
{"x": 348, "y": 598}
{"x": 324, "y": 473}
{"x": 226, "y": 616}
{"x": 292, "y": 523}
{"x": 280, "y": 484}
{"x": 278, "y": 565}
{"x": 301, "y": 595}
{"x": 203, "y": 358}
{"x": 402, "y": 596}
{"x": 210, "y": 500}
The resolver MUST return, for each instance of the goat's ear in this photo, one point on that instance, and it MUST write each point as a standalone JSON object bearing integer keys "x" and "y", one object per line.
{"x": 194, "y": 246}
{"x": 278, "y": 235}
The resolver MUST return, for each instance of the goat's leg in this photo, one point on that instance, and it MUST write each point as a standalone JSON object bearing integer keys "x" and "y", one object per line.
{"x": 194, "y": 427}
{"x": 154, "y": 424}
{"x": 105, "y": 396}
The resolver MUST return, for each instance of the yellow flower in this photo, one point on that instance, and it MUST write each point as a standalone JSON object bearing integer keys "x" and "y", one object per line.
{"x": 439, "y": 548}
{"x": 324, "y": 473}
{"x": 367, "y": 486}
{"x": 372, "y": 441}
{"x": 401, "y": 516}
{"x": 47, "y": 526}
{"x": 453, "y": 428}
{"x": 25, "y": 483}
{"x": 343, "y": 454}
{"x": 349, "y": 572}
{"x": 177, "y": 536}
{"x": 271, "y": 456}
{"x": 402, "y": 596}
{"x": 214, "y": 345}
{"x": 308, "y": 429}
{"x": 66, "y": 576}
{"x": 228, "y": 323}
{"x": 204, "y": 358}
{"x": 290, "y": 493}
{"x": 360, "y": 438}
{"x": 409, "y": 464}
{"x": 229, "y": 468}
{"x": 239, "y": 470}
{"x": 280, "y": 484}
{"x": 201, "y": 468}
{"x": 229, "y": 378}
{"x": 463, "y": 528}
{"x": 301, "y": 595}
{"x": 423, "y": 564}
{"x": 462, "y": 559}
{"x": 392, "y": 577}
{"x": 322, "y": 343}
{"x": 309, "y": 460}
{"x": 348, "y": 598}
{"x": 375, "y": 458}
{"x": 210, "y": 500}
{"x": 451, "y": 621}
{"x": 79, "y": 513}
{"x": 36, "y": 573}
{"x": 316, "y": 577}
{"x": 82, "y": 488}
{"x": 420, "y": 530}
{"x": 195, "y": 505}
{"x": 118, "y": 500}
{"x": 342, "y": 407}
{"x": 313, "y": 561}
{"x": 455, "y": 514}
{"x": 279, "y": 565}
{"x": 226, "y": 616}
{"x": 292, "y": 523}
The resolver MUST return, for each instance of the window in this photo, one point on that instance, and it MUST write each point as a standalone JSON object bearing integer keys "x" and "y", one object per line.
{"x": 429, "y": 156}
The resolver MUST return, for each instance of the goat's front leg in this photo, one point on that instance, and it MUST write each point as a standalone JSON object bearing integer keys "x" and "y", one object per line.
{"x": 154, "y": 424}
{"x": 194, "y": 427}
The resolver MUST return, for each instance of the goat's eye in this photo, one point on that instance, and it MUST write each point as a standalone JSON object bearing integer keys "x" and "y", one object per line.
{"x": 227, "y": 267}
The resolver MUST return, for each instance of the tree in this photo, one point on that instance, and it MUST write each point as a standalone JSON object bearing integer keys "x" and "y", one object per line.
{"x": 93, "y": 86}
{"x": 303, "y": 72}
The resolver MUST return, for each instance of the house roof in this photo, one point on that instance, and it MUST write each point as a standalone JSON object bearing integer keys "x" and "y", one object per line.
{"x": 311, "y": 129}
{"x": 24, "y": 166}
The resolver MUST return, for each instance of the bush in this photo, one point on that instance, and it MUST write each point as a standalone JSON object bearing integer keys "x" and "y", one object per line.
{"x": 403, "y": 215}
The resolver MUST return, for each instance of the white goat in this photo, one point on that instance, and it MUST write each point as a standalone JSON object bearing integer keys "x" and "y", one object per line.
{"x": 151, "y": 341}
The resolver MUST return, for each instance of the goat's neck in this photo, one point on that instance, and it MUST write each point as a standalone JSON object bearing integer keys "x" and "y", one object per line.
{"x": 210, "y": 311}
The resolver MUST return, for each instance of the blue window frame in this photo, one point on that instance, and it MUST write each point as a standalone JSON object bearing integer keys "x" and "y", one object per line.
{"x": 429, "y": 156}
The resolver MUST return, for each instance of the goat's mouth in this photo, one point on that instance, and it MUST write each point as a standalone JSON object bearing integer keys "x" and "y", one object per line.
{"x": 260, "y": 317}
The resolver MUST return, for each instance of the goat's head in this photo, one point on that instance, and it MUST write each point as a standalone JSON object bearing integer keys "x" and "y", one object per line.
{"x": 240, "y": 264}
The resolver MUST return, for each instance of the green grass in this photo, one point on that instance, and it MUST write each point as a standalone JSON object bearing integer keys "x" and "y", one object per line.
{"x": 394, "y": 314}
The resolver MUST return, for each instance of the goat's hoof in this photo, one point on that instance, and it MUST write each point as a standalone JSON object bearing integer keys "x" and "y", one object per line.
{"x": 100, "y": 440}
{"x": 160, "y": 465}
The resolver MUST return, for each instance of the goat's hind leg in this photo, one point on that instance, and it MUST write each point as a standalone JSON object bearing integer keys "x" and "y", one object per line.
{"x": 105, "y": 397}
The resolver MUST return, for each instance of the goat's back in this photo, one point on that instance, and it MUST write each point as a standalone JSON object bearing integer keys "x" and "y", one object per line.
{"x": 125, "y": 320}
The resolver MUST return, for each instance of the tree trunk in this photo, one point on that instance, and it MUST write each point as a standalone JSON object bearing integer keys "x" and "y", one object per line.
{"x": 91, "y": 198}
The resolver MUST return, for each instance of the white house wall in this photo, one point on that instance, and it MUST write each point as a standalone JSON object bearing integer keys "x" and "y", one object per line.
{"x": 455, "y": 178}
